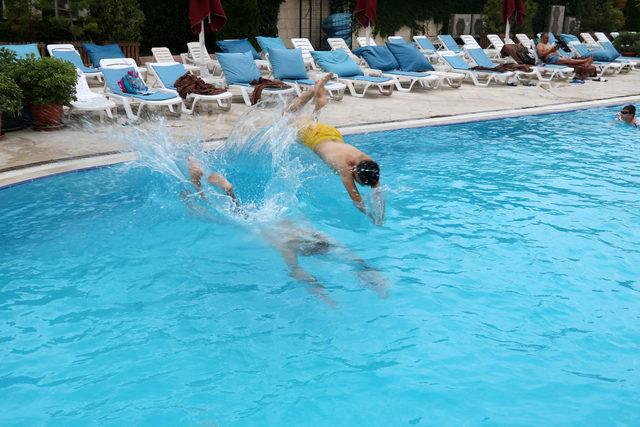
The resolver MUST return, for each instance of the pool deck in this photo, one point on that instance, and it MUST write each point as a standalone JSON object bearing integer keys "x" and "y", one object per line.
{"x": 27, "y": 154}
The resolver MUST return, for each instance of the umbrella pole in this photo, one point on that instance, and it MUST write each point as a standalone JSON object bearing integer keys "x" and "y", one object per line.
{"x": 368, "y": 33}
{"x": 506, "y": 31}
{"x": 204, "y": 71}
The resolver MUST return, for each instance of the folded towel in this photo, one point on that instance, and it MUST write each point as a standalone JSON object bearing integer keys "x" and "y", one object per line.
{"x": 261, "y": 84}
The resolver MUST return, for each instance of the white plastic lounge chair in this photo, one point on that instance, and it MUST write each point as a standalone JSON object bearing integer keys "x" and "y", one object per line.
{"x": 243, "y": 87}
{"x": 262, "y": 64}
{"x": 114, "y": 69}
{"x": 447, "y": 43}
{"x": 614, "y": 34}
{"x": 362, "y": 41}
{"x": 306, "y": 47}
{"x": 479, "y": 78}
{"x": 334, "y": 89}
{"x": 162, "y": 55}
{"x": 195, "y": 56}
{"x": 168, "y": 73}
{"x": 471, "y": 43}
{"x": 69, "y": 53}
{"x": 89, "y": 101}
{"x": 427, "y": 48}
{"x": 551, "y": 71}
{"x": 589, "y": 40}
{"x": 496, "y": 42}
{"x": 525, "y": 40}
{"x": 339, "y": 43}
{"x": 608, "y": 67}
{"x": 335, "y": 58}
{"x": 480, "y": 57}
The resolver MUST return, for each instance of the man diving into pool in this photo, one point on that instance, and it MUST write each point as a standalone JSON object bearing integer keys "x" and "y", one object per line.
{"x": 293, "y": 240}
{"x": 351, "y": 164}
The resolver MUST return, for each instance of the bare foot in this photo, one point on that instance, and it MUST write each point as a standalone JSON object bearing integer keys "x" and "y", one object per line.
{"x": 320, "y": 92}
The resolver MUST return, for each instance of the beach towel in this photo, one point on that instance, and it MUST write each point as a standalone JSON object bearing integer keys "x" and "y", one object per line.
{"x": 261, "y": 84}
{"x": 519, "y": 53}
{"x": 188, "y": 84}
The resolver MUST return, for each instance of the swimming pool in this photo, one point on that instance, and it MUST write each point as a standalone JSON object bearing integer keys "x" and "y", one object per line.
{"x": 513, "y": 260}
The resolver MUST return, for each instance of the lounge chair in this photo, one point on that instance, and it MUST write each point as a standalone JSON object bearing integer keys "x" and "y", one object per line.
{"x": 525, "y": 41}
{"x": 449, "y": 44}
{"x": 336, "y": 43}
{"x": 426, "y": 47}
{"x": 480, "y": 57}
{"x": 288, "y": 67}
{"x": 347, "y": 71}
{"x": 69, "y": 53}
{"x": 614, "y": 34}
{"x": 479, "y": 78}
{"x": 167, "y": 74}
{"x": 551, "y": 71}
{"x": 114, "y": 69}
{"x": 196, "y": 55}
{"x": 609, "y": 47}
{"x": 306, "y": 47}
{"x": 605, "y": 65}
{"x": 239, "y": 70}
{"x": 496, "y": 42}
{"x": 267, "y": 43}
{"x": 162, "y": 55}
{"x": 22, "y": 51}
{"x": 589, "y": 40}
{"x": 471, "y": 43}
{"x": 363, "y": 41}
{"x": 89, "y": 101}
{"x": 382, "y": 61}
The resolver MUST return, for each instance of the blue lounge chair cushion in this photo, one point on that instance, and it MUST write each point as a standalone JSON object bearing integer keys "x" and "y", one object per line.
{"x": 238, "y": 46}
{"x": 378, "y": 57}
{"x": 408, "y": 73}
{"x": 481, "y": 58}
{"x": 153, "y": 96}
{"x": 456, "y": 62}
{"x": 238, "y": 68}
{"x": 168, "y": 74}
{"x": 372, "y": 79}
{"x": 96, "y": 53}
{"x": 425, "y": 44}
{"x": 306, "y": 82}
{"x": 23, "y": 50}
{"x": 409, "y": 57}
{"x": 337, "y": 62}
{"x": 597, "y": 54}
{"x": 609, "y": 47}
{"x": 74, "y": 57}
{"x": 451, "y": 44}
{"x": 113, "y": 75}
{"x": 267, "y": 43}
{"x": 287, "y": 64}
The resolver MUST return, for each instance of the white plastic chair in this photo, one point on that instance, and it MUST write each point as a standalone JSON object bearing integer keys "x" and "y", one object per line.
{"x": 306, "y": 47}
{"x": 162, "y": 55}
{"x": 87, "y": 71}
{"x": 339, "y": 43}
{"x": 89, "y": 101}
{"x": 156, "y": 98}
{"x": 362, "y": 41}
{"x": 196, "y": 55}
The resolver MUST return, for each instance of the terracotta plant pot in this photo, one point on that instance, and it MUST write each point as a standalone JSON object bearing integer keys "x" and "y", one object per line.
{"x": 47, "y": 116}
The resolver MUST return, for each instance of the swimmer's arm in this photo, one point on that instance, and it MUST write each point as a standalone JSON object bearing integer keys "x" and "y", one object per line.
{"x": 352, "y": 190}
{"x": 221, "y": 182}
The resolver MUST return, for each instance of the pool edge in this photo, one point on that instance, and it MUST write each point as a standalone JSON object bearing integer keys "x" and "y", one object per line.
{"x": 26, "y": 173}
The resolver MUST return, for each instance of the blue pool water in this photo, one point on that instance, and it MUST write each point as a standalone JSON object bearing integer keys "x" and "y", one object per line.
{"x": 512, "y": 259}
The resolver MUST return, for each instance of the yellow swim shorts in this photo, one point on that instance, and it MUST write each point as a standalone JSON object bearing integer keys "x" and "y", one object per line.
{"x": 314, "y": 133}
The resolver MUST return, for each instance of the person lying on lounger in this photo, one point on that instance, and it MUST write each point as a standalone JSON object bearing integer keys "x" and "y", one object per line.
{"x": 549, "y": 54}
{"x": 293, "y": 240}
{"x": 327, "y": 142}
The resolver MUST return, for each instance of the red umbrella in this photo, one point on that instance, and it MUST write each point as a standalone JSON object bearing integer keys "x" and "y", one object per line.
{"x": 509, "y": 8}
{"x": 365, "y": 13}
{"x": 200, "y": 10}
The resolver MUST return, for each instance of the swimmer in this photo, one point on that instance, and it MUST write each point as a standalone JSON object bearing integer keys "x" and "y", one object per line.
{"x": 293, "y": 240}
{"x": 628, "y": 116}
{"x": 351, "y": 164}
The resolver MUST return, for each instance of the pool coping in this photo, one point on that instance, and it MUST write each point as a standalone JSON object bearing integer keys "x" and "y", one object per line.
{"x": 25, "y": 173}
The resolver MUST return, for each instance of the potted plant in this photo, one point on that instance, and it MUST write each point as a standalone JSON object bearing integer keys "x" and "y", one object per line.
{"x": 626, "y": 42}
{"x": 47, "y": 84}
{"x": 12, "y": 118}
{"x": 10, "y": 97}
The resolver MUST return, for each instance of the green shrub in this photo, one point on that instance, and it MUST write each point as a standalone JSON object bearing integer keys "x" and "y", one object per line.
{"x": 46, "y": 81}
{"x": 493, "y": 23}
{"x": 10, "y": 95}
{"x": 626, "y": 42}
{"x": 119, "y": 20}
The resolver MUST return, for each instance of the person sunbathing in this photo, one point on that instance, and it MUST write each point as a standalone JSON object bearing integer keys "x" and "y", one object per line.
{"x": 327, "y": 142}
{"x": 549, "y": 54}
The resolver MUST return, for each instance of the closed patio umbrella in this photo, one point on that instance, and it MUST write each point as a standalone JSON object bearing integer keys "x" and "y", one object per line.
{"x": 365, "y": 13}
{"x": 510, "y": 9}
{"x": 211, "y": 12}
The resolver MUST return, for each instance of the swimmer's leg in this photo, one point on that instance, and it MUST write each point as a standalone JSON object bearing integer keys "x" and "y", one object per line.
{"x": 299, "y": 102}
{"x": 223, "y": 184}
{"x": 195, "y": 174}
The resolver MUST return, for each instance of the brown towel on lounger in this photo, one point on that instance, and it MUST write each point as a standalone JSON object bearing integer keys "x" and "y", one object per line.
{"x": 502, "y": 68}
{"x": 518, "y": 52}
{"x": 189, "y": 83}
{"x": 260, "y": 85}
